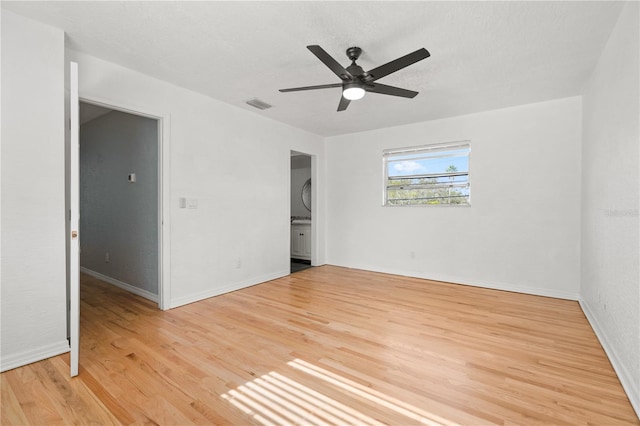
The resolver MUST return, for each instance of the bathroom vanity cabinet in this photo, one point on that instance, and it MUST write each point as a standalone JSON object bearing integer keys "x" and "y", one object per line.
{"x": 301, "y": 241}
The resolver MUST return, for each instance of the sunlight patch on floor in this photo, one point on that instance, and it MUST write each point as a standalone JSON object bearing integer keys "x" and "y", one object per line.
{"x": 274, "y": 399}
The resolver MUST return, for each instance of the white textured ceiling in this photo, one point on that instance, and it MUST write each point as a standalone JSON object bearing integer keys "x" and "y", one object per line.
{"x": 484, "y": 55}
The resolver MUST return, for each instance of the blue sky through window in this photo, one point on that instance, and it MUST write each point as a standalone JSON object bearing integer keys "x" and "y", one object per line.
{"x": 437, "y": 162}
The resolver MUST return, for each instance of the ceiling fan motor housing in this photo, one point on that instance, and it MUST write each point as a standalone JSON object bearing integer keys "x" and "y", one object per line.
{"x": 355, "y": 70}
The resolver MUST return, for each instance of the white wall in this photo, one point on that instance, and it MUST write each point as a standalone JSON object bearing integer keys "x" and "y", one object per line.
{"x": 234, "y": 162}
{"x": 521, "y": 232}
{"x": 116, "y": 216}
{"x": 610, "y": 255}
{"x": 33, "y": 221}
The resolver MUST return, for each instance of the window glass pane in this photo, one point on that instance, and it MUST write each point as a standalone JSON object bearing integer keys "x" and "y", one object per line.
{"x": 428, "y": 175}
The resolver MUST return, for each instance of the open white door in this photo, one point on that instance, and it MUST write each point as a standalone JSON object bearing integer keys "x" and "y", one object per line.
{"x": 74, "y": 217}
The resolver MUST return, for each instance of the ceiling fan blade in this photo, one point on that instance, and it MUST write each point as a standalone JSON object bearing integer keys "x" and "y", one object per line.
{"x": 333, "y": 65}
{"x": 398, "y": 64}
{"x": 321, "y": 86}
{"x": 383, "y": 89}
{"x": 344, "y": 103}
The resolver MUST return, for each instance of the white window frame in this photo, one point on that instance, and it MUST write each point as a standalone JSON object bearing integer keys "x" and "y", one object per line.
{"x": 389, "y": 154}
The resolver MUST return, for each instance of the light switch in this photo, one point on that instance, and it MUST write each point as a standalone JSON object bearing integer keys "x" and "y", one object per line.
{"x": 187, "y": 203}
{"x": 131, "y": 178}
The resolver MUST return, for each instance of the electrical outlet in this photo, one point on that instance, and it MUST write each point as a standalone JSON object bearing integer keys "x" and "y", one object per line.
{"x": 107, "y": 258}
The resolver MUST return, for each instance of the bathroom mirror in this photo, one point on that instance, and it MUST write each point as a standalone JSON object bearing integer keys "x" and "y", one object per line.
{"x": 306, "y": 194}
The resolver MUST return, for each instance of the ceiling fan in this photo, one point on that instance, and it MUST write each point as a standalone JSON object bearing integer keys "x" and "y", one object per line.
{"x": 356, "y": 81}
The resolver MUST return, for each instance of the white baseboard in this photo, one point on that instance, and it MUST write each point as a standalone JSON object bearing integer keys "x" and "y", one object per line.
{"x": 185, "y": 300}
{"x": 626, "y": 379}
{"x": 457, "y": 280}
{"x": 128, "y": 287}
{"x": 38, "y": 354}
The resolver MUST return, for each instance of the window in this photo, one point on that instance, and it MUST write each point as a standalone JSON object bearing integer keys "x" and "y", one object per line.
{"x": 427, "y": 175}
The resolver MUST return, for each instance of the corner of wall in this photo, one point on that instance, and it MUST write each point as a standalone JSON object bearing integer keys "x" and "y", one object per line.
{"x": 609, "y": 211}
{"x": 627, "y": 380}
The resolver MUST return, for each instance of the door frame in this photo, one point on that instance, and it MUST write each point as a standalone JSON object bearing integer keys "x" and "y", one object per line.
{"x": 164, "y": 194}
{"x": 314, "y": 203}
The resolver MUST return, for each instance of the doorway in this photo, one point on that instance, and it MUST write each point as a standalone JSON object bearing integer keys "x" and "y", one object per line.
{"x": 301, "y": 212}
{"x": 120, "y": 202}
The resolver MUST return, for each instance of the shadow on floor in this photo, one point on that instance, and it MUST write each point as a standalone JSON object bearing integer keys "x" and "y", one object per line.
{"x": 298, "y": 265}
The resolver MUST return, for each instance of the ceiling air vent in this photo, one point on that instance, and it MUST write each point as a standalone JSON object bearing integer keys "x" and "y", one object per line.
{"x": 257, "y": 103}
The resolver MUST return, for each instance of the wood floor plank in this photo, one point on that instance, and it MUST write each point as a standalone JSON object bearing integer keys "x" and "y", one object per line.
{"x": 35, "y": 403}
{"x": 11, "y": 413}
{"x": 326, "y": 345}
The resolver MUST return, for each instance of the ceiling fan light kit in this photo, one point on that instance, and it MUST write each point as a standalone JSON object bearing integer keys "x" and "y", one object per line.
{"x": 356, "y": 81}
{"x": 353, "y": 91}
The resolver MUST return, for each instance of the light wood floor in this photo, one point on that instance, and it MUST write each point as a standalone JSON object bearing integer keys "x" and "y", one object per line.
{"x": 326, "y": 345}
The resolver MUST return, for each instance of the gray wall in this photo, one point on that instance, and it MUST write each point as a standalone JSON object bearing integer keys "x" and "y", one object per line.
{"x": 300, "y": 172}
{"x": 116, "y": 216}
